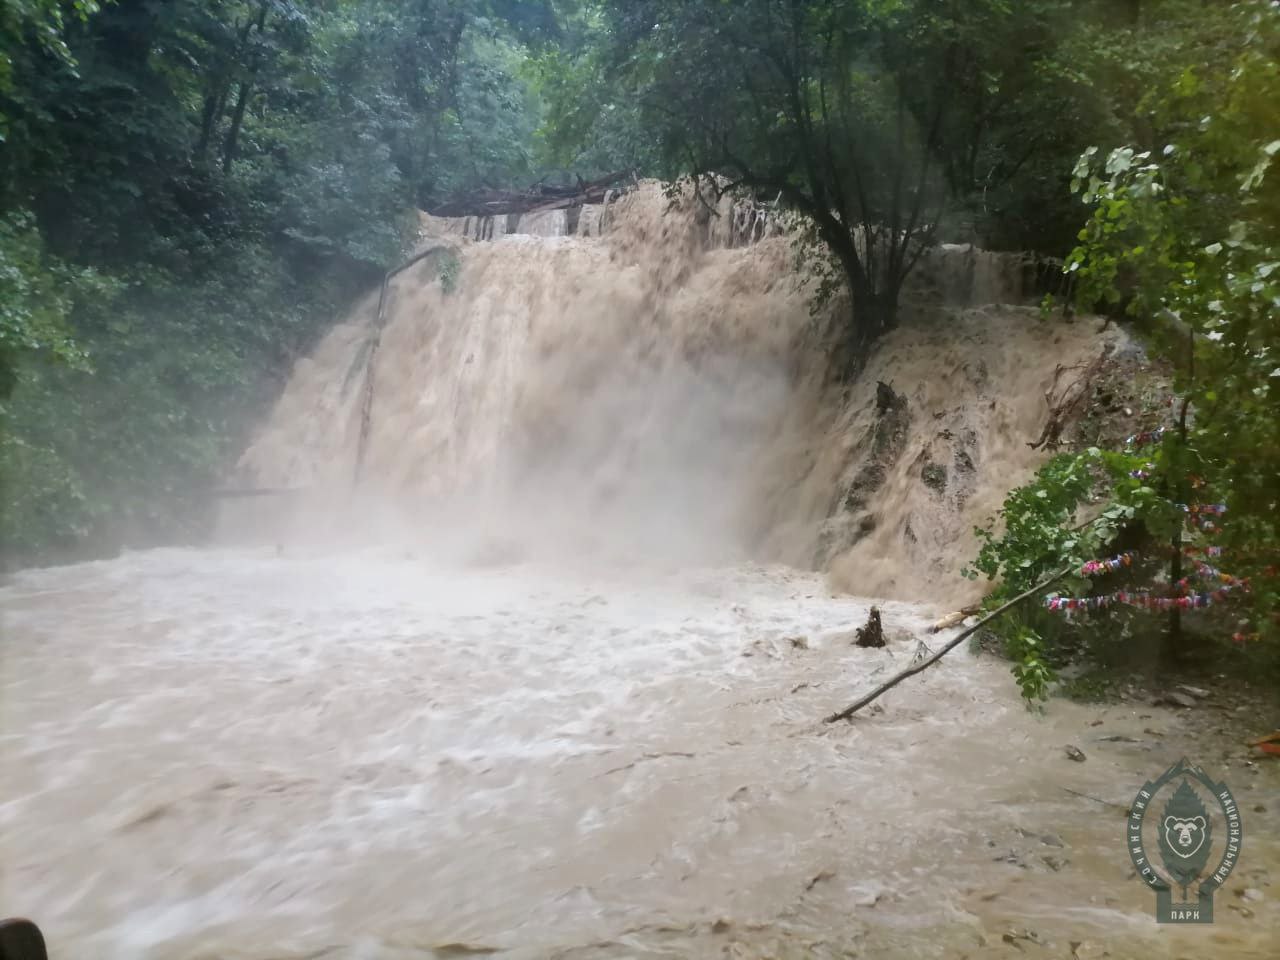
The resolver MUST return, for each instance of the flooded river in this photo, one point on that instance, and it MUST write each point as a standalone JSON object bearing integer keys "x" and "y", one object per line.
{"x": 225, "y": 754}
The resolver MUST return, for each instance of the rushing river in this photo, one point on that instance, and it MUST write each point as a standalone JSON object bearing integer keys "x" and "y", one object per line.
{"x": 217, "y": 754}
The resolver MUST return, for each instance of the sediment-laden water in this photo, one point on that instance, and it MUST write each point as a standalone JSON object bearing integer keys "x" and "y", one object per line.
{"x": 243, "y": 754}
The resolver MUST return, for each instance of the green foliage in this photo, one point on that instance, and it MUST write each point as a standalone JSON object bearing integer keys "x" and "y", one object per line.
{"x": 1038, "y": 528}
{"x": 1031, "y": 671}
{"x": 887, "y": 125}
{"x": 1185, "y": 233}
{"x": 36, "y": 295}
{"x": 208, "y": 185}
{"x": 1037, "y": 533}
{"x": 43, "y": 21}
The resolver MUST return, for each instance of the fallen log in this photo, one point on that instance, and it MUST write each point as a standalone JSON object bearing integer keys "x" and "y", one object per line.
{"x": 541, "y": 197}
{"x": 951, "y": 644}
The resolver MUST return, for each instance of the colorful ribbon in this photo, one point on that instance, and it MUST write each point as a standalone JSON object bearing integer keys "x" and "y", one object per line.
{"x": 1144, "y": 599}
{"x": 1145, "y": 437}
{"x": 1109, "y": 565}
{"x": 1207, "y": 551}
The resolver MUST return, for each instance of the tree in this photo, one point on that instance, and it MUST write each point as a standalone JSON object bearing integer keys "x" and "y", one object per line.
{"x": 1186, "y": 233}
{"x": 873, "y": 119}
{"x": 1183, "y": 235}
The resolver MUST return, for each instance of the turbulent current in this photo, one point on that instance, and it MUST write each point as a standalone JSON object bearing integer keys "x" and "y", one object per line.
{"x": 548, "y": 679}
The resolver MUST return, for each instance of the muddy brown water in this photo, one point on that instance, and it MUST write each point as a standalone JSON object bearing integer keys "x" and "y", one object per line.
{"x": 230, "y": 753}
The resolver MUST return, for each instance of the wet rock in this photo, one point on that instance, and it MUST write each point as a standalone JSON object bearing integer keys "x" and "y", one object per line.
{"x": 1013, "y": 936}
{"x": 1074, "y": 753}
{"x": 1259, "y": 808}
{"x": 934, "y": 476}
{"x": 1088, "y": 950}
{"x": 1243, "y": 911}
{"x": 1051, "y": 840}
{"x": 1118, "y": 738}
{"x": 798, "y": 643}
{"x": 1177, "y": 698}
{"x": 1251, "y": 894}
{"x": 886, "y": 399}
{"x": 1198, "y": 692}
{"x": 1054, "y": 863}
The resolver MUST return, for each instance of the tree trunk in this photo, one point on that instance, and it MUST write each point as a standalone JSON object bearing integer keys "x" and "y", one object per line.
{"x": 1182, "y": 491}
{"x": 242, "y": 99}
{"x": 215, "y": 103}
{"x": 237, "y": 119}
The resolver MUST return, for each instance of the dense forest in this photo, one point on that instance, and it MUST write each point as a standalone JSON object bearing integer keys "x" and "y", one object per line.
{"x": 191, "y": 190}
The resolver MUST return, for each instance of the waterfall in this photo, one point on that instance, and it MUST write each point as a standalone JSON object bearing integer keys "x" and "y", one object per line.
{"x": 656, "y": 385}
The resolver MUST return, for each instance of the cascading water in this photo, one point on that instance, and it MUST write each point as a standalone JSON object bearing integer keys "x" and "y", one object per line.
{"x": 558, "y": 393}
{"x": 539, "y": 684}
{"x": 662, "y": 392}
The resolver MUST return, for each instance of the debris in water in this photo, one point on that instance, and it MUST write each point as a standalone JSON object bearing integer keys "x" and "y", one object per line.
{"x": 818, "y": 878}
{"x": 954, "y": 619}
{"x": 1012, "y": 937}
{"x": 1268, "y": 744}
{"x": 872, "y": 634}
{"x": 921, "y": 653}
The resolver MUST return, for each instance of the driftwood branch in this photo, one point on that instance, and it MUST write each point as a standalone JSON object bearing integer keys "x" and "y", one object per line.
{"x": 857, "y": 705}
{"x": 1067, "y": 404}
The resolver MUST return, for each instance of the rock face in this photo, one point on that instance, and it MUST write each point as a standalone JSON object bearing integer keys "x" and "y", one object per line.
{"x": 967, "y": 396}
{"x": 879, "y": 449}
